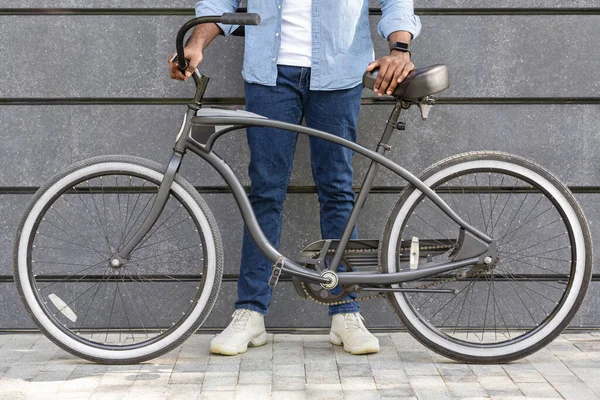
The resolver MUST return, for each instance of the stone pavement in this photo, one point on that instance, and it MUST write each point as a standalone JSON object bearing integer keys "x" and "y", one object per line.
{"x": 299, "y": 367}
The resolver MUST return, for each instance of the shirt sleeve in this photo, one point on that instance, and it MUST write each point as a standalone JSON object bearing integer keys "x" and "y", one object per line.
{"x": 398, "y": 15}
{"x": 218, "y": 7}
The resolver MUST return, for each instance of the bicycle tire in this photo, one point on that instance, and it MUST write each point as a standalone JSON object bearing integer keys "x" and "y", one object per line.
{"x": 440, "y": 339}
{"x": 71, "y": 339}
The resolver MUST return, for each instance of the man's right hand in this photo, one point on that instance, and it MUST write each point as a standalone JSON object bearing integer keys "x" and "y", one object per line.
{"x": 193, "y": 55}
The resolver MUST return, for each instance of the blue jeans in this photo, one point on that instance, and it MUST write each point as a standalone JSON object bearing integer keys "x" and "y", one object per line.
{"x": 271, "y": 160}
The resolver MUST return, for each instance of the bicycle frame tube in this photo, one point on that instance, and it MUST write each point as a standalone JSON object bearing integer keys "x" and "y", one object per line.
{"x": 243, "y": 122}
{"x": 185, "y": 141}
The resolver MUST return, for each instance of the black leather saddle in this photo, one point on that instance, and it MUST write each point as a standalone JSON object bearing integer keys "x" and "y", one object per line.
{"x": 419, "y": 83}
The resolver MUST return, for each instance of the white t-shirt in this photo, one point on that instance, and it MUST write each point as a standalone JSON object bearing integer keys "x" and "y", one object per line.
{"x": 296, "y": 30}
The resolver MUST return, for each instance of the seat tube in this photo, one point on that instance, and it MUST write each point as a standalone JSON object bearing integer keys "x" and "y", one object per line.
{"x": 382, "y": 148}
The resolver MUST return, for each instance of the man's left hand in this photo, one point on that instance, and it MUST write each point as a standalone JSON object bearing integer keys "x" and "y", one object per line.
{"x": 392, "y": 70}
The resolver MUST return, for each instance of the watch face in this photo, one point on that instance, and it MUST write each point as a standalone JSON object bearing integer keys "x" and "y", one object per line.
{"x": 400, "y": 46}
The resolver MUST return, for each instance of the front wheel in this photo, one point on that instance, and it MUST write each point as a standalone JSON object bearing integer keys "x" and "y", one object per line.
{"x": 527, "y": 295}
{"x": 130, "y": 313}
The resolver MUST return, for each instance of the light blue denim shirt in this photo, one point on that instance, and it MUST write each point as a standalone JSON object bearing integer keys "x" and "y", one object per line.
{"x": 341, "y": 37}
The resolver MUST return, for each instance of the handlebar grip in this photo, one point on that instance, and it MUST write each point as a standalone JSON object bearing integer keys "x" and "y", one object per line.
{"x": 240, "y": 19}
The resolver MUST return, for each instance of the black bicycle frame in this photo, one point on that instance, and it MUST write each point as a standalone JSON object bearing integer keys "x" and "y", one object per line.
{"x": 205, "y": 151}
{"x": 475, "y": 247}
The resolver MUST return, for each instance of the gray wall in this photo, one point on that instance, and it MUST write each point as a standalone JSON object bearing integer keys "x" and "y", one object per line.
{"x": 84, "y": 82}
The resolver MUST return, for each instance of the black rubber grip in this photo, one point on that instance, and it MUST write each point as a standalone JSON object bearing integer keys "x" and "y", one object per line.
{"x": 240, "y": 19}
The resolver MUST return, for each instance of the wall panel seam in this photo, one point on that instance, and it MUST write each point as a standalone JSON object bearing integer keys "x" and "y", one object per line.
{"x": 239, "y": 101}
{"x": 293, "y": 189}
{"x": 372, "y": 11}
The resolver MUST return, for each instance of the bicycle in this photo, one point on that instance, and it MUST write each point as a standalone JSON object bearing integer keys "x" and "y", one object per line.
{"x": 485, "y": 258}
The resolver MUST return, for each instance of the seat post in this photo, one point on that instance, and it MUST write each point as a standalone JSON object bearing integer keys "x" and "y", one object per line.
{"x": 391, "y": 124}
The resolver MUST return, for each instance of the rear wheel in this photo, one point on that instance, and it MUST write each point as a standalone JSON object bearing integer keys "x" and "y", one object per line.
{"x": 129, "y": 313}
{"x": 528, "y": 295}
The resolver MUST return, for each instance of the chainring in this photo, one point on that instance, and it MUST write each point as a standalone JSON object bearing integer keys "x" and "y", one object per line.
{"x": 315, "y": 292}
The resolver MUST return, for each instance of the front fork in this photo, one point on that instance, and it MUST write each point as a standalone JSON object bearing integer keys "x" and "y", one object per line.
{"x": 162, "y": 196}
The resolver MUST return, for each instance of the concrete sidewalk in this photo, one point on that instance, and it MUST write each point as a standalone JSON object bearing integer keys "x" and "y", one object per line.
{"x": 300, "y": 367}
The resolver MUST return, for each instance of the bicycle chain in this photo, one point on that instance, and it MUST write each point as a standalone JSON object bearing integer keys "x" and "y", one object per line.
{"x": 310, "y": 295}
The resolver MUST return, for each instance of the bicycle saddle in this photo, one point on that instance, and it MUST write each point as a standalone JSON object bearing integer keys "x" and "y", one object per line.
{"x": 419, "y": 83}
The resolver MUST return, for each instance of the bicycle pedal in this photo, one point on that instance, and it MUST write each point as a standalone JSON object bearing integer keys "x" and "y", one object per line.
{"x": 414, "y": 253}
{"x": 276, "y": 273}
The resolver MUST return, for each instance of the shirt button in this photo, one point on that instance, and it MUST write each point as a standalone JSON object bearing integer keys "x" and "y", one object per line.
{"x": 277, "y": 34}
{"x": 279, "y": 6}
{"x": 273, "y": 59}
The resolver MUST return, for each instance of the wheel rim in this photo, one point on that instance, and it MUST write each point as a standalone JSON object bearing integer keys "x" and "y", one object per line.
{"x": 122, "y": 333}
{"x": 433, "y": 321}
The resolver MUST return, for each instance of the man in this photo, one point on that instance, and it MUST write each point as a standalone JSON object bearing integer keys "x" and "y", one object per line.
{"x": 305, "y": 60}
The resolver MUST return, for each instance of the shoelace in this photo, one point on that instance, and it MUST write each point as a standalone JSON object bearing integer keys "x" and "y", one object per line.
{"x": 353, "y": 321}
{"x": 240, "y": 319}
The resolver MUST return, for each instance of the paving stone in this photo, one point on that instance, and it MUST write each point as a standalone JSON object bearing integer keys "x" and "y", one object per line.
{"x": 217, "y": 395}
{"x": 289, "y": 383}
{"x": 488, "y": 370}
{"x": 112, "y": 393}
{"x": 253, "y": 392}
{"x": 214, "y": 381}
{"x": 80, "y": 384}
{"x": 256, "y": 365}
{"x": 189, "y": 365}
{"x": 288, "y": 395}
{"x": 428, "y": 383}
{"x": 523, "y": 373}
{"x": 361, "y": 395}
{"x": 497, "y": 383}
{"x": 186, "y": 378}
{"x": 420, "y": 368}
{"x": 348, "y": 370}
{"x": 358, "y": 383}
{"x": 182, "y": 391}
{"x": 324, "y": 391}
{"x": 574, "y": 391}
{"x": 321, "y": 364}
{"x": 288, "y": 370}
{"x": 466, "y": 389}
{"x": 255, "y": 377}
{"x": 540, "y": 390}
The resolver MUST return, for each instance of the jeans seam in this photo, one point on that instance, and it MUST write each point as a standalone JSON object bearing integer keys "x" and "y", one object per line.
{"x": 251, "y": 308}
{"x": 344, "y": 309}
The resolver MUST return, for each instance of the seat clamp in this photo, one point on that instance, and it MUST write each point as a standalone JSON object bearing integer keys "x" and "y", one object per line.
{"x": 385, "y": 146}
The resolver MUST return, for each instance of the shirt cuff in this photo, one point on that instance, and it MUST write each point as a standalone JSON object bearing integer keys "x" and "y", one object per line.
{"x": 204, "y": 8}
{"x": 399, "y": 22}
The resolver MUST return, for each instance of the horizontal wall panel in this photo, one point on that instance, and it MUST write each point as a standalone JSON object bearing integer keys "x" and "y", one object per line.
{"x": 420, "y": 5}
{"x": 40, "y": 141}
{"x": 299, "y": 229}
{"x": 125, "y": 56}
{"x": 300, "y": 224}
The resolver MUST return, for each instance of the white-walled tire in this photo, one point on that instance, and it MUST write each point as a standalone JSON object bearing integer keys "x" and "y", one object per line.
{"x": 535, "y": 286}
{"x": 156, "y": 300}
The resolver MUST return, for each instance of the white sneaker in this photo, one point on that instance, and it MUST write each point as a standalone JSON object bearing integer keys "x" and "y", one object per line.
{"x": 349, "y": 330}
{"x": 247, "y": 328}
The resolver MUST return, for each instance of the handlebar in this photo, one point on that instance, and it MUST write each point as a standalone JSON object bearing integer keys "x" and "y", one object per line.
{"x": 227, "y": 19}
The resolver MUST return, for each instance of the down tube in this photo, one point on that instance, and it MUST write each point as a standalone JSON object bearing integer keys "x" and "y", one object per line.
{"x": 242, "y": 122}
{"x": 239, "y": 195}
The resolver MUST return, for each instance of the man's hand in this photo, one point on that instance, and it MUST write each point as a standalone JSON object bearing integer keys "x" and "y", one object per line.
{"x": 392, "y": 70}
{"x": 193, "y": 54}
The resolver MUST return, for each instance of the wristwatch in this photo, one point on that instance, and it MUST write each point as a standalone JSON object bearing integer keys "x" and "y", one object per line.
{"x": 401, "y": 46}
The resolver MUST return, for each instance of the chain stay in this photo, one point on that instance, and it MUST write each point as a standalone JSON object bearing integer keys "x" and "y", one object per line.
{"x": 311, "y": 295}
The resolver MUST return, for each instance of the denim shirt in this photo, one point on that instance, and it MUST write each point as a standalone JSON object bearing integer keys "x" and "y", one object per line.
{"x": 341, "y": 37}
